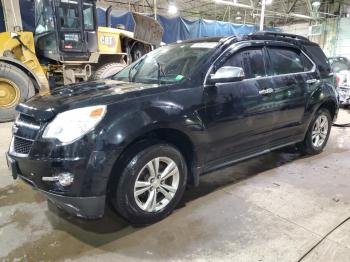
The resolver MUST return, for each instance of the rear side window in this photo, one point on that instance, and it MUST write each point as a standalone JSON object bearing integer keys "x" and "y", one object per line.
{"x": 320, "y": 59}
{"x": 288, "y": 61}
{"x": 251, "y": 60}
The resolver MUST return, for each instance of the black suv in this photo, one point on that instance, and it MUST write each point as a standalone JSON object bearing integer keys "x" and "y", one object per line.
{"x": 185, "y": 109}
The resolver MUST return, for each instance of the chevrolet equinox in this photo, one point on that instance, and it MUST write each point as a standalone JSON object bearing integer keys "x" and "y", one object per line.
{"x": 139, "y": 138}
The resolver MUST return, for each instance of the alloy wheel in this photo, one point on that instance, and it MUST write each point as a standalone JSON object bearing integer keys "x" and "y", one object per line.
{"x": 320, "y": 131}
{"x": 156, "y": 184}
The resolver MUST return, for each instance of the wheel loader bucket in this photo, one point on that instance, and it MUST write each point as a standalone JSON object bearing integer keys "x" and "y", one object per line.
{"x": 147, "y": 29}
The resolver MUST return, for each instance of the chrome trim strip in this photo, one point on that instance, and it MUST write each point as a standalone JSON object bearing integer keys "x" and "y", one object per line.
{"x": 25, "y": 124}
{"x": 50, "y": 178}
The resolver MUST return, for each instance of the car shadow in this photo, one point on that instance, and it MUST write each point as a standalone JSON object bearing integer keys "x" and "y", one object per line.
{"x": 112, "y": 227}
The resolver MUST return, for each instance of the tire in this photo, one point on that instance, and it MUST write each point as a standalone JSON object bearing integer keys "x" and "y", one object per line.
{"x": 15, "y": 87}
{"x": 138, "y": 51}
{"x": 134, "y": 208}
{"x": 309, "y": 145}
{"x": 107, "y": 70}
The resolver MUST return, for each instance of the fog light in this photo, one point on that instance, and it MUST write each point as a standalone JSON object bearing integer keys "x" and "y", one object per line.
{"x": 65, "y": 179}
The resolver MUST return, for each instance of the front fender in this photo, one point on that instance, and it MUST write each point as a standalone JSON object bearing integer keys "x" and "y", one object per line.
{"x": 126, "y": 125}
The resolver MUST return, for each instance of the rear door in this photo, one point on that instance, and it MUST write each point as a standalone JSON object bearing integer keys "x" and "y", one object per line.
{"x": 290, "y": 70}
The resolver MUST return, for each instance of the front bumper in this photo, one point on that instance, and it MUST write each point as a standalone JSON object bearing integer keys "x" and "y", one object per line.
{"x": 344, "y": 95}
{"x": 84, "y": 207}
{"x": 89, "y": 207}
{"x": 345, "y": 102}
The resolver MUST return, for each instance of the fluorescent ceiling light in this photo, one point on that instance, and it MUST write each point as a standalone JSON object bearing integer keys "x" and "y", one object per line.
{"x": 172, "y": 9}
{"x": 224, "y": 2}
{"x": 301, "y": 16}
{"x": 233, "y": 4}
{"x": 316, "y": 3}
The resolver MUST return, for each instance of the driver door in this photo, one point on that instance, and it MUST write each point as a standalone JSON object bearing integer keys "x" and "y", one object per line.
{"x": 239, "y": 116}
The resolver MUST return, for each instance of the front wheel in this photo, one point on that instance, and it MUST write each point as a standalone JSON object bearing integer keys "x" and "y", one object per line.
{"x": 151, "y": 184}
{"x": 318, "y": 133}
{"x": 15, "y": 87}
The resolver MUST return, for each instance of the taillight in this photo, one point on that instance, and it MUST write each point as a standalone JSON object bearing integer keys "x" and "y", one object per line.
{"x": 337, "y": 81}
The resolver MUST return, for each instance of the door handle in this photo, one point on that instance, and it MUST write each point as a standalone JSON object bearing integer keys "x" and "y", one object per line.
{"x": 266, "y": 91}
{"x": 312, "y": 81}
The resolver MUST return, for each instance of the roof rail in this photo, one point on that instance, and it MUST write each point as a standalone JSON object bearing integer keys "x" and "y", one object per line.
{"x": 278, "y": 34}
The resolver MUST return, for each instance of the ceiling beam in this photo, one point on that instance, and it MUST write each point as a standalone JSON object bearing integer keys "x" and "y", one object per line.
{"x": 292, "y": 6}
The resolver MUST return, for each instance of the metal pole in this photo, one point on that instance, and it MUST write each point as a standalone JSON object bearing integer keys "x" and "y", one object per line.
{"x": 155, "y": 9}
{"x": 263, "y": 3}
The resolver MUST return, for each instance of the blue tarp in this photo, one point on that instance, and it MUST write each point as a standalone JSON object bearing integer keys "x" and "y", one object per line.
{"x": 177, "y": 28}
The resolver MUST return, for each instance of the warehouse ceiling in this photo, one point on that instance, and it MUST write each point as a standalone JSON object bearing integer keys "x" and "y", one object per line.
{"x": 278, "y": 12}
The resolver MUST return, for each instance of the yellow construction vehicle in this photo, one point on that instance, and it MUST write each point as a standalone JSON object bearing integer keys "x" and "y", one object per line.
{"x": 66, "y": 47}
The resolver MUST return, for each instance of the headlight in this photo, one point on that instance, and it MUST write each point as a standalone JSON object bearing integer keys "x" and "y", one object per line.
{"x": 73, "y": 124}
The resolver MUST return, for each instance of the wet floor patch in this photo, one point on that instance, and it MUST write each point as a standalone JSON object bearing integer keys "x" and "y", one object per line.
{"x": 19, "y": 193}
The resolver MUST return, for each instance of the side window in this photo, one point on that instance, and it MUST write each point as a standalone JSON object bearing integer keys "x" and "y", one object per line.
{"x": 251, "y": 60}
{"x": 308, "y": 65}
{"x": 317, "y": 55}
{"x": 288, "y": 61}
{"x": 88, "y": 14}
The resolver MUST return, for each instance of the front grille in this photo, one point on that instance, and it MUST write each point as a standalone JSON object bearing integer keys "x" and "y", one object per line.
{"x": 25, "y": 131}
{"x": 22, "y": 146}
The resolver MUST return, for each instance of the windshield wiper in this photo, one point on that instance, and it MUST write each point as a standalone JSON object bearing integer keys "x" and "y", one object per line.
{"x": 133, "y": 67}
{"x": 160, "y": 71}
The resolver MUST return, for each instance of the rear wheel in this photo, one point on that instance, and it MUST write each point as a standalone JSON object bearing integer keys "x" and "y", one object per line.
{"x": 107, "y": 70}
{"x": 318, "y": 133}
{"x": 151, "y": 184}
{"x": 15, "y": 87}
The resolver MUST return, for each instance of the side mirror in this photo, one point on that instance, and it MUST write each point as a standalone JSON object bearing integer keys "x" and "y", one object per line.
{"x": 227, "y": 74}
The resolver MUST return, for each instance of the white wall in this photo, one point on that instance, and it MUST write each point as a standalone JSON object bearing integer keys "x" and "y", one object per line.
{"x": 298, "y": 29}
{"x": 343, "y": 38}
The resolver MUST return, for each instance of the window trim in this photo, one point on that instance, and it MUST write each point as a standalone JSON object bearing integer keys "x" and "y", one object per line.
{"x": 240, "y": 45}
{"x": 259, "y": 48}
{"x": 234, "y": 48}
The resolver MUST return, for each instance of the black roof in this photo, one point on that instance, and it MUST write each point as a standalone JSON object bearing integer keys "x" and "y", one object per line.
{"x": 203, "y": 39}
{"x": 223, "y": 42}
{"x": 279, "y": 35}
{"x": 260, "y": 35}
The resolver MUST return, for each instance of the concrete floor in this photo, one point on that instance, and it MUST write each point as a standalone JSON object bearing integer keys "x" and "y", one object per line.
{"x": 272, "y": 208}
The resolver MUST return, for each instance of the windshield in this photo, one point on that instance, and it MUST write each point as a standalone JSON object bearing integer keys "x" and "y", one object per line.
{"x": 44, "y": 17}
{"x": 167, "y": 64}
{"x": 69, "y": 14}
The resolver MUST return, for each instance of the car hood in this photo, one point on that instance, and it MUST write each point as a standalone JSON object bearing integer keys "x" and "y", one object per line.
{"x": 45, "y": 107}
